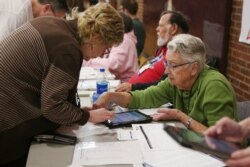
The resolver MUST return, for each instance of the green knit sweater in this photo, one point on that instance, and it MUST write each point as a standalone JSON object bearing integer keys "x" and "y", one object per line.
{"x": 211, "y": 98}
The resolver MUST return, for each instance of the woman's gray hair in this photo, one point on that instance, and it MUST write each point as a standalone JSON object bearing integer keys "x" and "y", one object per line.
{"x": 190, "y": 48}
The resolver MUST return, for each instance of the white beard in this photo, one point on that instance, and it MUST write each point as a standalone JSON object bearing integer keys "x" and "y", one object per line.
{"x": 161, "y": 41}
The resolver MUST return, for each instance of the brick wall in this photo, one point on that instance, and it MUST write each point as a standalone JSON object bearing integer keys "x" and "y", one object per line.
{"x": 238, "y": 69}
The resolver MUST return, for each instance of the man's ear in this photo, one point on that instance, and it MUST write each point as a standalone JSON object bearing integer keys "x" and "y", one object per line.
{"x": 47, "y": 10}
{"x": 174, "y": 29}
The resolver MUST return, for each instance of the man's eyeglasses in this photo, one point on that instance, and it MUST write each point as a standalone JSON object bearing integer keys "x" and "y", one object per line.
{"x": 170, "y": 66}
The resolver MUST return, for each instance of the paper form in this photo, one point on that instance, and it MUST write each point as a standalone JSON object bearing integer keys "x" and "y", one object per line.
{"x": 180, "y": 158}
{"x": 125, "y": 134}
{"x": 158, "y": 138}
{"x": 93, "y": 153}
{"x": 167, "y": 152}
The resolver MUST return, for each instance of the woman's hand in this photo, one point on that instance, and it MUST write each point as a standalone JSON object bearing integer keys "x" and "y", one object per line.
{"x": 100, "y": 115}
{"x": 240, "y": 158}
{"x": 124, "y": 87}
{"x": 102, "y": 102}
{"x": 166, "y": 114}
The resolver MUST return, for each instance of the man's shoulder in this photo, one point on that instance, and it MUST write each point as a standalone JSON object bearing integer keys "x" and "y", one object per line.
{"x": 138, "y": 24}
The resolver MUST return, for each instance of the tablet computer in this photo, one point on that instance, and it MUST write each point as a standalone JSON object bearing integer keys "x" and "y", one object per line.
{"x": 198, "y": 141}
{"x": 128, "y": 118}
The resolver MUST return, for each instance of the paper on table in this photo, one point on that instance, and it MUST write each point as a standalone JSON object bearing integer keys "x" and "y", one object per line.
{"x": 88, "y": 129}
{"x": 151, "y": 111}
{"x": 91, "y": 84}
{"x": 92, "y": 153}
{"x": 91, "y": 73}
{"x": 167, "y": 152}
{"x": 125, "y": 134}
{"x": 183, "y": 157}
{"x": 158, "y": 138}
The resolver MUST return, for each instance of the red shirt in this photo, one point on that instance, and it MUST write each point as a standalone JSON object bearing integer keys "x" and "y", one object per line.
{"x": 153, "y": 71}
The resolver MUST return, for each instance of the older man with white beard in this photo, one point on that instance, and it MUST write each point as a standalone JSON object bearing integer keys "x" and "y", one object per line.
{"x": 170, "y": 24}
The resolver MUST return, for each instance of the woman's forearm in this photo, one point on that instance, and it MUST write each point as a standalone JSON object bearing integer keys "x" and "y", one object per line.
{"x": 192, "y": 124}
{"x": 120, "y": 98}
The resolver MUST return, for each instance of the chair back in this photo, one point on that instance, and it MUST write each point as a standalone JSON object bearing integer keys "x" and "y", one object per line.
{"x": 243, "y": 109}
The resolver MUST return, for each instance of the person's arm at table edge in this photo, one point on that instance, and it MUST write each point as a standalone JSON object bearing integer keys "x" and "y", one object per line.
{"x": 193, "y": 124}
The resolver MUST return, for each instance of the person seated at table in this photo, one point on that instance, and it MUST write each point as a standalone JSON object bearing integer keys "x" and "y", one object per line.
{"x": 200, "y": 95}
{"x": 121, "y": 60}
{"x": 170, "y": 24}
{"x": 41, "y": 62}
{"x": 130, "y": 8}
{"x": 232, "y": 131}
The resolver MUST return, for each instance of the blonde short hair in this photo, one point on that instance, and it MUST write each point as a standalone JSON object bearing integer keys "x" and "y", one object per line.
{"x": 100, "y": 20}
{"x": 190, "y": 48}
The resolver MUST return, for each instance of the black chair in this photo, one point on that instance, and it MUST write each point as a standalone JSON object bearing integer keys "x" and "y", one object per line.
{"x": 243, "y": 109}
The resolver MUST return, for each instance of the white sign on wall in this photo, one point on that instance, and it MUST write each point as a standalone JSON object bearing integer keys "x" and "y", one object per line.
{"x": 245, "y": 23}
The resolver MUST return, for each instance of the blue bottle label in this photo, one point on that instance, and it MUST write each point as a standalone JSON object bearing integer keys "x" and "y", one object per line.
{"x": 101, "y": 87}
{"x": 95, "y": 96}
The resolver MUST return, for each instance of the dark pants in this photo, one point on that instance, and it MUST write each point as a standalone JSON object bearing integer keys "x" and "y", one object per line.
{"x": 21, "y": 162}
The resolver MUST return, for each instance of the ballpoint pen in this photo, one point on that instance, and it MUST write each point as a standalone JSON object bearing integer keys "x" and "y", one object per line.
{"x": 146, "y": 137}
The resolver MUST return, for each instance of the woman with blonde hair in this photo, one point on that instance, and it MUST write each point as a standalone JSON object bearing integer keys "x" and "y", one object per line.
{"x": 41, "y": 62}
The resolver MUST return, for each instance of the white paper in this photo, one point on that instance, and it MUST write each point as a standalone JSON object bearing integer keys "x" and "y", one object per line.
{"x": 167, "y": 152}
{"x": 158, "y": 138}
{"x": 151, "y": 111}
{"x": 245, "y": 25}
{"x": 89, "y": 129}
{"x": 92, "y": 153}
{"x": 126, "y": 134}
{"x": 91, "y": 73}
{"x": 91, "y": 84}
{"x": 179, "y": 158}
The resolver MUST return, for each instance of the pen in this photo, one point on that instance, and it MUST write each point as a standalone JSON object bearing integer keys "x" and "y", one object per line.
{"x": 146, "y": 137}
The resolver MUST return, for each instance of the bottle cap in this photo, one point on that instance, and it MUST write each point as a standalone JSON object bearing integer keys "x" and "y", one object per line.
{"x": 102, "y": 69}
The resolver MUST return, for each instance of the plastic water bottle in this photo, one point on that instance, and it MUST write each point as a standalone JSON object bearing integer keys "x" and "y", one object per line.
{"x": 102, "y": 84}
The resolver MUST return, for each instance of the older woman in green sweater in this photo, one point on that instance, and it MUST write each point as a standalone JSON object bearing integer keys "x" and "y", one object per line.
{"x": 200, "y": 94}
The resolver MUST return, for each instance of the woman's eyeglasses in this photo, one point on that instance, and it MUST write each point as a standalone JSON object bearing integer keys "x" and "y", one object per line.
{"x": 170, "y": 66}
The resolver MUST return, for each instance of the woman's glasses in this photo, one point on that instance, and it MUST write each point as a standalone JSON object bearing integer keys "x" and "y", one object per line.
{"x": 170, "y": 66}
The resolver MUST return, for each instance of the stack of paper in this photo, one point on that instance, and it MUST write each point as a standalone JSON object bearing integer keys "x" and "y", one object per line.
{"x": 106, "y": 153}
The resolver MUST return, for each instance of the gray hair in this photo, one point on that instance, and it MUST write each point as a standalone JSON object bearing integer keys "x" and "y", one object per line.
{"x": 190, "y": 48}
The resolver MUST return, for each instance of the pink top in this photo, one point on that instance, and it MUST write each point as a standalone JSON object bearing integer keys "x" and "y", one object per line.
{"x": 122, "y": 60}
